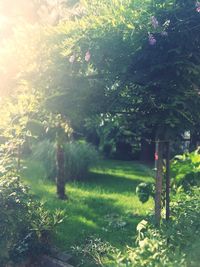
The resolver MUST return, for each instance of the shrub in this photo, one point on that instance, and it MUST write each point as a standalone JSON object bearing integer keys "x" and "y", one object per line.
{"x": 189, "y": 180}
{"x": 79, "y": 156}
{"x": 24, "y": 223}
{"x": 152, "y": 250}
{"x": 144, "y": 191}
{"x": 174, "y": 244}
{"x": 184, "y": 230}
{"x": 185, "y": 170}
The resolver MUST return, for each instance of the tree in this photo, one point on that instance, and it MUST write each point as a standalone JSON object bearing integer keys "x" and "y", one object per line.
{"x": 151, "y": 72}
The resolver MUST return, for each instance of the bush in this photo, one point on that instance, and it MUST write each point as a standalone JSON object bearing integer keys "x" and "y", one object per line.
{"x": 144, "y": 191}
{"x": 79, "y": 156}
{"x": 24, "y": 223}
{"x": 189, "y": 180}
{"x": 174, "y": 244}
{"x": 185, "y": 170}
{"x": 184, "y": 230}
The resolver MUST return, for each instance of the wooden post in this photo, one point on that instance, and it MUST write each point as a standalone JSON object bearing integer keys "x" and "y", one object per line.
{"x": 159, "y": 179}
{"x": 167, "y": 181}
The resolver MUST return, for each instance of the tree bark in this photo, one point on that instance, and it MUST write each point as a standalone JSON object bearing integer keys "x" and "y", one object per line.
{"x": 60, "y": 179}
{"x": 159, "y": 179}
{"x": 167, "y": 181}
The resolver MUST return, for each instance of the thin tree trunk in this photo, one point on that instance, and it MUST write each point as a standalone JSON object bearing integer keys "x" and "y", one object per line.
{"x": 167, "y": 181}
{"x": 60, "y": 179}
{"x": 159, "y": 178}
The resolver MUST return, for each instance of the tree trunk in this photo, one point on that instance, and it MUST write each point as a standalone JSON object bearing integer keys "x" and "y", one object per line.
{"x": 60, "y": 179}
{"x": 159, "y": 178}
{"x": 167, "y": 181}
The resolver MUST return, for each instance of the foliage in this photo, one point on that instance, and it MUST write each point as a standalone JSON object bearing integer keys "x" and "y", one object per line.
{"x": 152, "y": 250}
{"x": 96, "y": 249}
{"x": 45, "y": 152}
{"x": 113, "y": 136}
{"x": 144, "y": 191}
{"x": 79, "y": 156}
{"x": 25, "y": 225}
{"x": 185, "y": 170}
{"x": 184, "y": 230}
{"x": 135, "y": 77}
{"x": 175, "y": 244}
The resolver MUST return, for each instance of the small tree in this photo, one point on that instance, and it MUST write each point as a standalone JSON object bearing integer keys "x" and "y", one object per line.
{"x": 152, "y": 71}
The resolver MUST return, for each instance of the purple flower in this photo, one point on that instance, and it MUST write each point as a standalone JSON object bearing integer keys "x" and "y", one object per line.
{"x": 198, "y": 6}
{"x": 72, "y": 59}
{"x": 87, "y": 56}
{"x": 154, "y": 22}
{"x": 152, "y": 40}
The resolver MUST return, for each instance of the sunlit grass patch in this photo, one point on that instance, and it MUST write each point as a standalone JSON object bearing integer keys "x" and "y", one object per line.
{"x": 104, "y": 205}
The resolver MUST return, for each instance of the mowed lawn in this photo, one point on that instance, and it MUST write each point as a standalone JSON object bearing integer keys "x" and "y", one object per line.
{"x": 104, "y": 205}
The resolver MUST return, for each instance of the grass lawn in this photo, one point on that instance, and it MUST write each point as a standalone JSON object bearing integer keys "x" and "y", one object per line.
{"x": 104, "y": 205}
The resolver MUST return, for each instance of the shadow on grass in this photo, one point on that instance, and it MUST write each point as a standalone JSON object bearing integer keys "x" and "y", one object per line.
{"x": 94, "y": 206}
{"x": 99, "y": 217}
{"x": 130, "y": 168}
{"x": 111, "y": 183}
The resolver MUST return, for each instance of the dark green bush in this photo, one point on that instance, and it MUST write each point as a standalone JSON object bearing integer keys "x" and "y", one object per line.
{"x": 144, "y": 191}
{"x": 25, "y": 226}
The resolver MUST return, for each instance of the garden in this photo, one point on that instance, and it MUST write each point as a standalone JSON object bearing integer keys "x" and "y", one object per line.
{"x": 99, "y": 133}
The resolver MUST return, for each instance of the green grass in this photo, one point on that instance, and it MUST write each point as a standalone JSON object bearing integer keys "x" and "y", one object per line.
{"x": 96, "y": 205}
